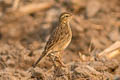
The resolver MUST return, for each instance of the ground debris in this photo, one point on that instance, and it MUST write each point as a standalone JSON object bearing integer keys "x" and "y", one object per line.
{"x": 93, "y": 54}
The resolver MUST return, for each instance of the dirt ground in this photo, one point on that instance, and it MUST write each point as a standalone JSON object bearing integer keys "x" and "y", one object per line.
{"x": 25, "y": 26}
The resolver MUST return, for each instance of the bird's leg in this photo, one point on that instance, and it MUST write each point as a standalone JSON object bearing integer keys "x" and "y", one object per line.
{"x": 52, "y": 57}
{"x": 58, "y": 59}
{"x": 53, "y": 61}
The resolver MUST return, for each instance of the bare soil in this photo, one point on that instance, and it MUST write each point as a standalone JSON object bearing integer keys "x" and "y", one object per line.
{"x": 24, "y": 32}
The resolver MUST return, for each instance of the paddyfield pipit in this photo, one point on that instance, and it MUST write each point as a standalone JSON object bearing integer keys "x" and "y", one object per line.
{"x": 59, "y": 39}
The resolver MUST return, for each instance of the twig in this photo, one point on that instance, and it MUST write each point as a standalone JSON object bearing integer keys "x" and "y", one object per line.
{"x": 27, "y": 9}
{"x": 34, "y": 7}
{"x": 112, "y": 51}
{"x": 15, "y": 4}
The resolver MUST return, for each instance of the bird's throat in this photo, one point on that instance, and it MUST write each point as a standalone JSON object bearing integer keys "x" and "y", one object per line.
{"x": 64, "y": 23}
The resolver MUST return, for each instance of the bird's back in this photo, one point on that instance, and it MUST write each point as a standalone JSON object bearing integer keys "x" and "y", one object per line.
{"x": 60, "y": 38}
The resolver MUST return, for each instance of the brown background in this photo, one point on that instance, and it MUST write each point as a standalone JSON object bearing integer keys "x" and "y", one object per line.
{"x": 25, "y": 29}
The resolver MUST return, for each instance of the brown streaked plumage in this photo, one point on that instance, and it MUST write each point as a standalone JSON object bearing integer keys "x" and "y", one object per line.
{"x": 60, "y": 38}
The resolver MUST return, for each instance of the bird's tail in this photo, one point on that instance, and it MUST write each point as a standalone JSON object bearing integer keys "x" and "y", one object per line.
{"x": 40, "y": 58}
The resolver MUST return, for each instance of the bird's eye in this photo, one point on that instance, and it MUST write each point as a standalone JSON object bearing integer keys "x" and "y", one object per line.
{"x": 67, "y": 16}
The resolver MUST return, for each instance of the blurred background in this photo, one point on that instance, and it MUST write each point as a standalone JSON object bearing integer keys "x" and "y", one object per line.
{"x": 25, "y": 26}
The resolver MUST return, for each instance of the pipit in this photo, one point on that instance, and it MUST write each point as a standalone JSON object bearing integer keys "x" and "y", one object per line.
{"x": 59, "y": 39}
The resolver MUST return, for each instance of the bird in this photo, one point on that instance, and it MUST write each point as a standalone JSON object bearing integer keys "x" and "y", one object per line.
{"x": 59, "y": 39}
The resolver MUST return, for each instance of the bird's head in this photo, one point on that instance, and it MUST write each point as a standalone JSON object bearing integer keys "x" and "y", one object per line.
{"x": 65, "y": 17}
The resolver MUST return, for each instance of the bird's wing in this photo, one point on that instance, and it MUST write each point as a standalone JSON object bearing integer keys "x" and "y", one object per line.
{"x": 54, "y": 39}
